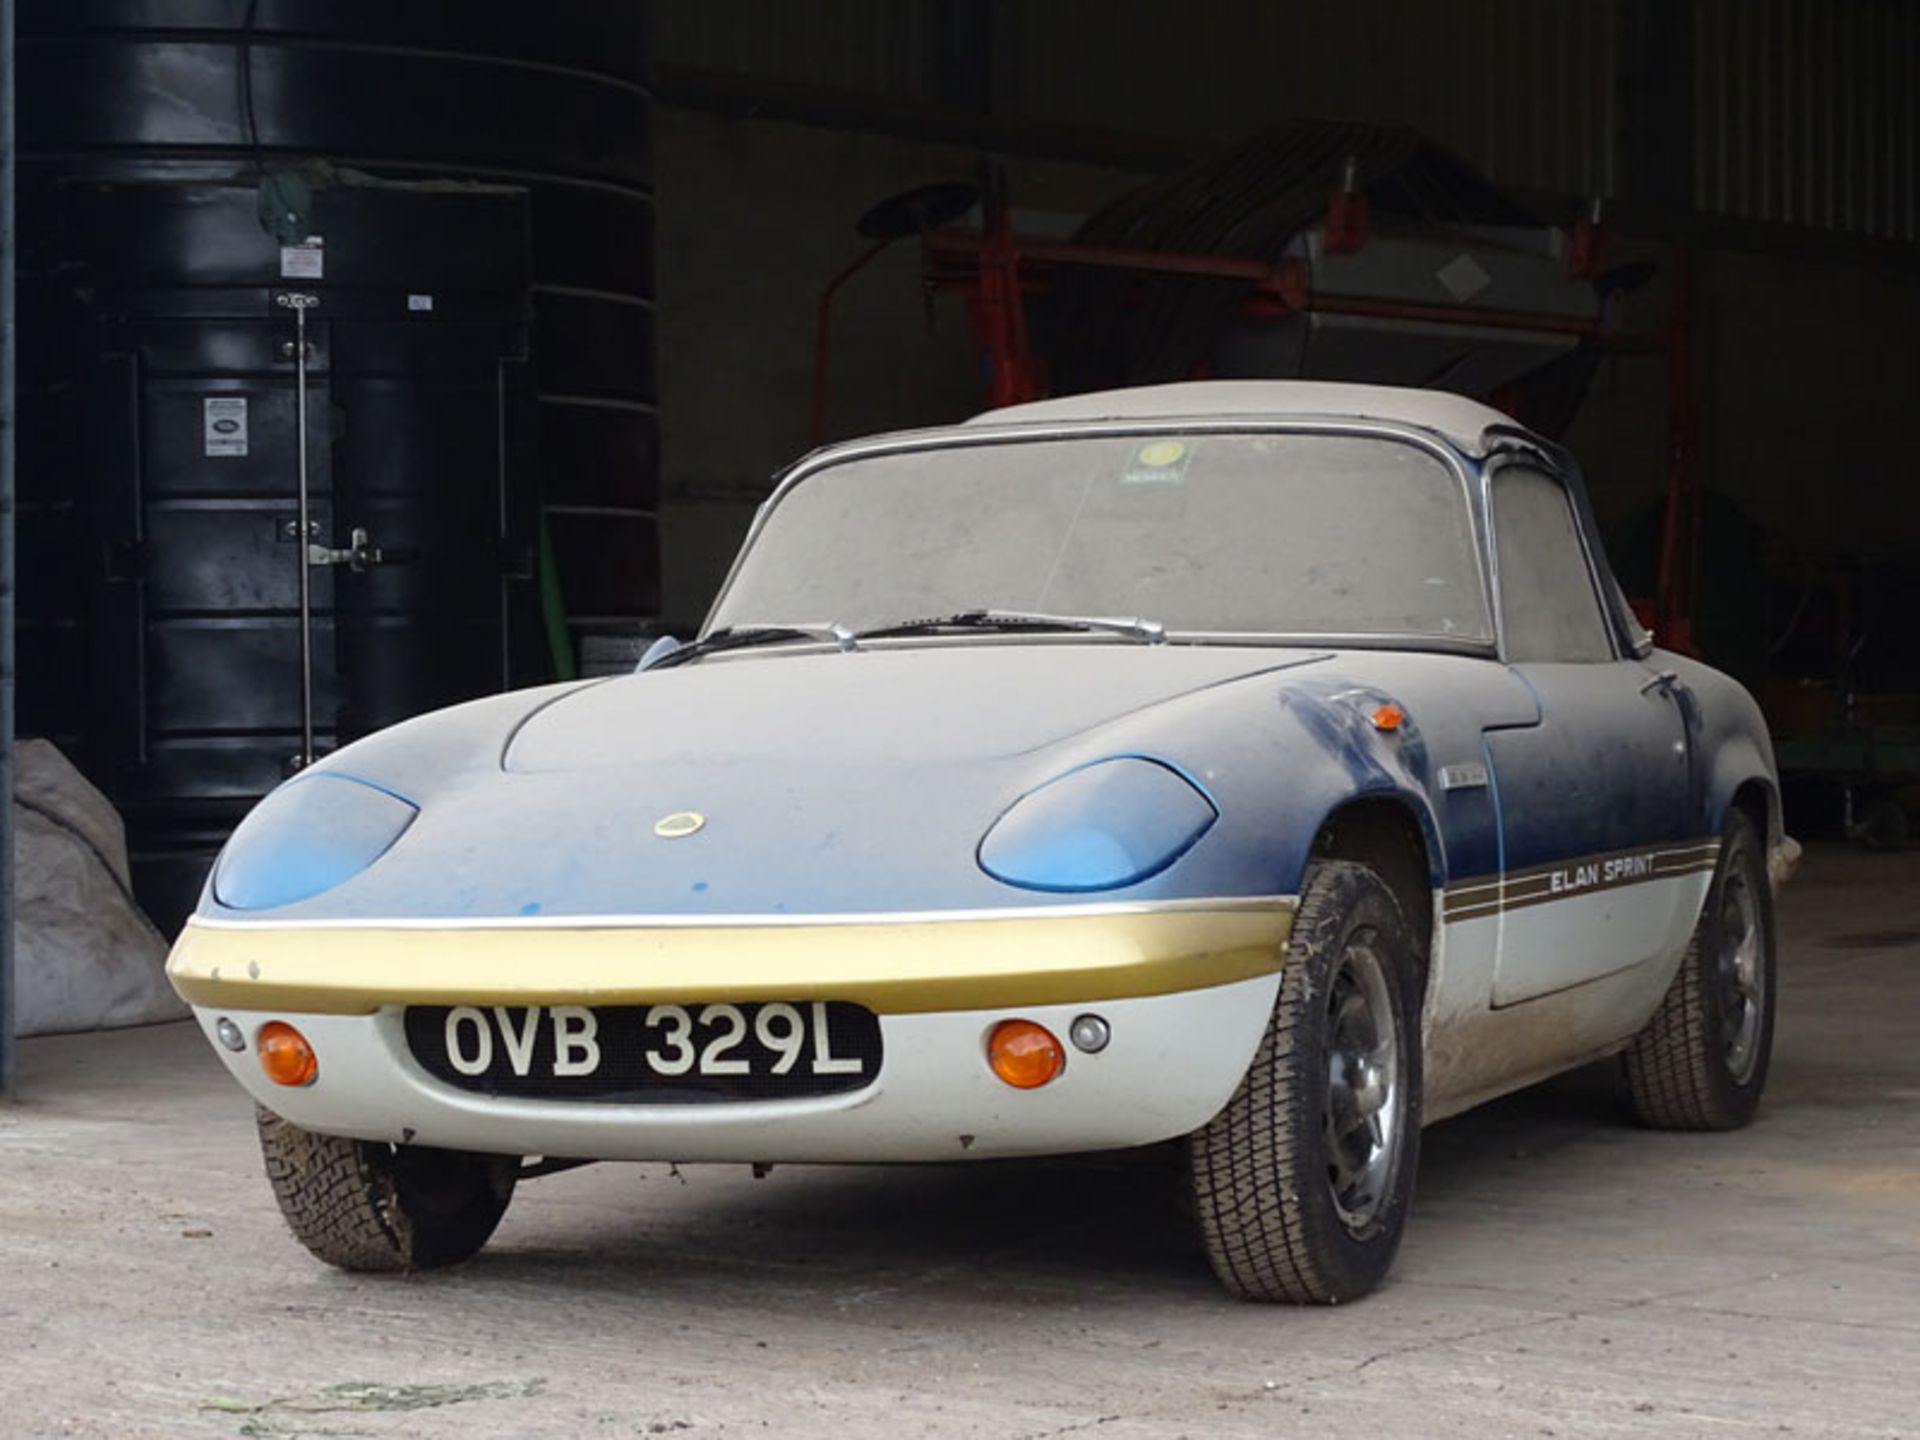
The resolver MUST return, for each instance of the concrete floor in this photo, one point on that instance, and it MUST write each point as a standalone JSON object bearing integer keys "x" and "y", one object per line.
{"x": 1565, "y": 1274}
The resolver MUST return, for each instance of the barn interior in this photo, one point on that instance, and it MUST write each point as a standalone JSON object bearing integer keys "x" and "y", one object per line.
{"x": 366, "y": 359}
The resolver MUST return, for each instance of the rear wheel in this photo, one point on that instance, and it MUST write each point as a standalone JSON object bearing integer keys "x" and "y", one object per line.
{"x": 364, "y": 1205}
{"x": 1701, "y": 1062}
{"x": 1302, "y": 1182}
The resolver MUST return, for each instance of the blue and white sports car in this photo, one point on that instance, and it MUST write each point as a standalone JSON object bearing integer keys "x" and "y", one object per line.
{"x": 1272, "y": 767}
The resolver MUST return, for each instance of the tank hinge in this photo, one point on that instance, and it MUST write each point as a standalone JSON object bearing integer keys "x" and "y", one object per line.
{"x": 359, "y": 556}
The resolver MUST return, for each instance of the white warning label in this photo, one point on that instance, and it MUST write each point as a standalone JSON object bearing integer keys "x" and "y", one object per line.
{"x": 1463, "y": 277}
{"x": 224, "y": 423}
{"x": 306, "y": 261}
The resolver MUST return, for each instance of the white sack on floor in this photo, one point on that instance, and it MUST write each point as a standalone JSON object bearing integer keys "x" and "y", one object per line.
{"x": 85, "y": 956}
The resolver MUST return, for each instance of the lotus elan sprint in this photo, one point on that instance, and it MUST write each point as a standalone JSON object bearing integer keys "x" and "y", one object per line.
{"x": 1271, "y": 767}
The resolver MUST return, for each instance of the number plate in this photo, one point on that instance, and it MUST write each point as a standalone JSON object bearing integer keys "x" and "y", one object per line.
{"x": 649, "y": 1054}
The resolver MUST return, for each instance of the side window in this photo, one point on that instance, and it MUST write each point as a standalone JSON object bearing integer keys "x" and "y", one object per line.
{"x": 1546, "y": 595}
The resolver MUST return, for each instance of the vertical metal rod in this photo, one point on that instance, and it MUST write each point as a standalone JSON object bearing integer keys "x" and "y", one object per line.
{"x": 7, "y": 233}
{"x": 304, "y": 549}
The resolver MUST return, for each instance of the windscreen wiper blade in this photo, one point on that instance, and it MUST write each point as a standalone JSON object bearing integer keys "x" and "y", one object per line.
{"x": 1149, "y": 631}
{"x": 741, "y": 637}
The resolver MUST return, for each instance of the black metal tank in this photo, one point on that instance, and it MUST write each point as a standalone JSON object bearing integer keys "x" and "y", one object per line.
{"x": 482, "y": 441}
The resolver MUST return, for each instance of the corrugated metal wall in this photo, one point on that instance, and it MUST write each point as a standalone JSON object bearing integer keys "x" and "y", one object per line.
{"x": 1804, "y": 113}
{"x": 1804, "y": 110}
{"x": 873, "y": 46}
{"x": 1521, "y": 88}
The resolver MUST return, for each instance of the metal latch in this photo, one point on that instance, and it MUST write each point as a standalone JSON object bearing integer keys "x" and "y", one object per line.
{"x": 360, "y": 556}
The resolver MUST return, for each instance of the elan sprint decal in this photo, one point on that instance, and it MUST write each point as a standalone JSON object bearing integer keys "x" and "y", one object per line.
{"x": 1577, "y": 875}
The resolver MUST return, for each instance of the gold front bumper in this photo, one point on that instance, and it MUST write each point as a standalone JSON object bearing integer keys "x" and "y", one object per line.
{"x": 890, "y": 964}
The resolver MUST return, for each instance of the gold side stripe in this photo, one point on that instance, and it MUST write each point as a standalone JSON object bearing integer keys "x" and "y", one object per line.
{"x": 1532, "y": 900}
{"x": 1544, "y": 879}
{"x": 1654, "y": 852}
{"x": 1480, "y": 908}
{"x": 1037, "y": 958}
{"x": 1455, "y": 892}
{"x": 1537, "y": 885}
{"x": 1481, "y": 912}
{"x": 1687, "y": 854}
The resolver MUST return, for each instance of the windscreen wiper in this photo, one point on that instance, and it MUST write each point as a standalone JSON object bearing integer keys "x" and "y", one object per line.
{"x": 1150, "y": 631}
{"x": 741, "y": 637}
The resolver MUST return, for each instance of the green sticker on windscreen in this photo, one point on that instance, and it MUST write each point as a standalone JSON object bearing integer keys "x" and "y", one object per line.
{"x": 1158, "y": 462}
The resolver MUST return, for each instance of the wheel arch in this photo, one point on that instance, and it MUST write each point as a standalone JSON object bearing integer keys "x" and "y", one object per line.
{"x": 1389, "y": 834}
{"x": 1759, "y": 801}
{"x": 1741, "y": 779}
{"x": 1733, "y": 754}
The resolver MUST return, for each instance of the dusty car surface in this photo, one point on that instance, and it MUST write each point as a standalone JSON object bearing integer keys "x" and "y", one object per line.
{"x": 1272, "y": 766}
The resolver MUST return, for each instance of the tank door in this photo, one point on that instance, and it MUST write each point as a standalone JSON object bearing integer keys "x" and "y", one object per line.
{"x": 193, "y": 456}
{"x": 435, "y": 519}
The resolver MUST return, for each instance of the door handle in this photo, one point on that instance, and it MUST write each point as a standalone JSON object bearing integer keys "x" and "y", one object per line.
{"x": 1664, "y": 680}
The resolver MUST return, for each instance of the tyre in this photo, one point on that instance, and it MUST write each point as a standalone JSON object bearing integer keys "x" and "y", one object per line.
{"x": 363, "y": 1205}
{"x": 1701, "y": 1062}
{"x": 1302, "y": 1183}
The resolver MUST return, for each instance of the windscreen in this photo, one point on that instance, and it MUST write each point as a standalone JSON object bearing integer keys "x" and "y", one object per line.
{"x": 1274, "y": 533}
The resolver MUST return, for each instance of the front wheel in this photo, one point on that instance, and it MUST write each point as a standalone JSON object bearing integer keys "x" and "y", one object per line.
{"x": 1701, "y": 1062}
{"x": 363, "y": 1205}
{"x": 1302, "y": 1182}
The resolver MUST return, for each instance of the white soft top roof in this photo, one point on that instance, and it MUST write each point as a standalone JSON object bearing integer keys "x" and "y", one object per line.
{"x": 1459, "y": 419}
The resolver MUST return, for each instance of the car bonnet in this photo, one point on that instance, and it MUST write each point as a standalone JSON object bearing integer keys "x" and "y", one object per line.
{"x": 926, "y": 702}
